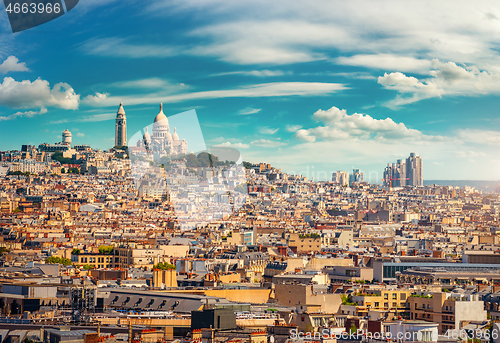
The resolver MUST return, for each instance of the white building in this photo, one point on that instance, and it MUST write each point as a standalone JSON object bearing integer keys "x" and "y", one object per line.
{"x": 162, "y": 141}
{"x": 412, "y": 331}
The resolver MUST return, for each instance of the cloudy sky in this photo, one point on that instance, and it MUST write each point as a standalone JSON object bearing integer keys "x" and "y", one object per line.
{"x": 311, "y": 87}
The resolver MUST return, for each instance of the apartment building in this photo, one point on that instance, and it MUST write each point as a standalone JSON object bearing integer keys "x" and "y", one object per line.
{"x": 137, "y": 256}
{"x": 449, "y": 310}
{"x": 304, "y": 242}
{"x": 382, "y": 299}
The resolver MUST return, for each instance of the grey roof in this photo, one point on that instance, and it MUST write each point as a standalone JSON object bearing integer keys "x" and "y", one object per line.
{"x": 151, "y": 300}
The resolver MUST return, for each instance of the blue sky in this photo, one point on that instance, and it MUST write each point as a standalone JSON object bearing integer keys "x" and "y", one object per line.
{"x": 309, "y": 87}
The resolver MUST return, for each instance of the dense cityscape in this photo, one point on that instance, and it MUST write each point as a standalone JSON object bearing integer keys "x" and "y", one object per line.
{"x": 148, "y": 243}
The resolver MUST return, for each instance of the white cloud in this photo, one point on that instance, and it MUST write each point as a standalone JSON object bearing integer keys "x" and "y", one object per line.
{"x": 12, "y": 64}
{"x": 233, "y": 145}
{"x": 445, "y": 79}
{"x": 97, "y": 117}
{"x": 118, "y": 47}
{"x": 240, "y": 32}
{"x": 274, "y": 89}
{"x": 79, "y": 134}
{"x": 150, "y": 83}
{"x": 258, "y": 73}
{"x": 249, "y": 110}
{"x": 268, "y": 130}
{"x": 293, "y": 128}
{"x": 267, "y": 143}
{"x": 28, "y": 114}
{"x": 478, "y": 136}
{"x": 95, "y": 99}
{"x": 387, "y": 62}
{"x": 25, "y": 94}
{"x": 470, "y": 154}
{"x": 341, "y": 126}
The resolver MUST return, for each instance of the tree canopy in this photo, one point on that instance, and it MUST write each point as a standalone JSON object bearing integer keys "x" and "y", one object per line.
{"x": 164, "y": 266}
{"x": 59, "y": 260}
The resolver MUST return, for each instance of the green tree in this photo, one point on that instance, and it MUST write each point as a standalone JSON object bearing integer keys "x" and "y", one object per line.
{"x": 63, "y": 171}
{"x": 75, "y": 251}
{"x": 353, "y": 329}
{"x": 106, "y": 249}
{"x": 58, "y": 156}
{"x": 88, "y": 266}
{"x": 164, "y": 266}
{"x": 58, "y": 260}
{"x": 3, "y": 250}
{"x": 247, "y": 165}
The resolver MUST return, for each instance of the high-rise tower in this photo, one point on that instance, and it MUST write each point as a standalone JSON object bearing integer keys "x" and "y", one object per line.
{"x": 121, "y": 127}
{"x": 414, "y": 170}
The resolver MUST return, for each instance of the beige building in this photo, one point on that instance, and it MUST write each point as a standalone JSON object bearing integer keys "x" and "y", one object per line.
{"x": 382, "y": 299}
{"x": 137, "y": 256}
{"x": 304, "y": 242}
{"x": 164, "y": 278}
{"x": 301, "y": 295}
{"x": 449, "y": 310}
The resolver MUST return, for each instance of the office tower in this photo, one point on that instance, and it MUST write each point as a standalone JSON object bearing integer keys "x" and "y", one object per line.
{"x": 356, "y": 176}
{"x": 341, "y": 177}
{"x": 395, "y": 174}
{"x": 414, "y": 170}
{"x": 121, "y": 127}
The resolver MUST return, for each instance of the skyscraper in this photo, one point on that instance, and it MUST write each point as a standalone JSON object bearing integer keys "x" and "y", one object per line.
{"x": 414, "y": 170}
{"x": 341, "y": 177}
{"x": 121, "y": 127}
{"x": 404, "y": 172}
{"x": 356, "y": 176}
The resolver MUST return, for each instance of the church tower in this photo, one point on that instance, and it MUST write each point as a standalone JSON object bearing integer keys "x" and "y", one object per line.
{"x": 121, "y": 127}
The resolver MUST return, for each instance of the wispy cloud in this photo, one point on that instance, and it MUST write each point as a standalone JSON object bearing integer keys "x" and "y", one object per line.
{"x": 233, "y": 145}
{"x": 274, "y": 89}
{"x": 28, "y": 114}
{"x": 119, "y": 47}
{"x": 150, "y": 83}
{"x": 268, "y": 130}
{"x": 293, "y": 128}
{"x": 267, "y": 143}
{"x": 249, "y": 110}
{"x": 258, "y": 73}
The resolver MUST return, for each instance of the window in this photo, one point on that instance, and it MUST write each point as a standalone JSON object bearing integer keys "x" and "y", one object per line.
{"x": 394, "y": 296}
{"x": 403, "y": 296}
{"x": 377, "y": 304}
{"x": 386, "y": 295}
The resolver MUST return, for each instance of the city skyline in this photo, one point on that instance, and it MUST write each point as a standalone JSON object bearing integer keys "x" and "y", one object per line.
{"x": 365, "y": 89}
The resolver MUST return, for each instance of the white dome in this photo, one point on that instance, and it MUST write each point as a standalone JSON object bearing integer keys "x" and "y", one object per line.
{"x": 161, "y": 116}
{"x": 146, "y": 136}
{"x": 175, "y": 136}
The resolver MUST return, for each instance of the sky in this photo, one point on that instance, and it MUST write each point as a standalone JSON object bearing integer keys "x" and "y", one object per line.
{"x": 310, "y": 87}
